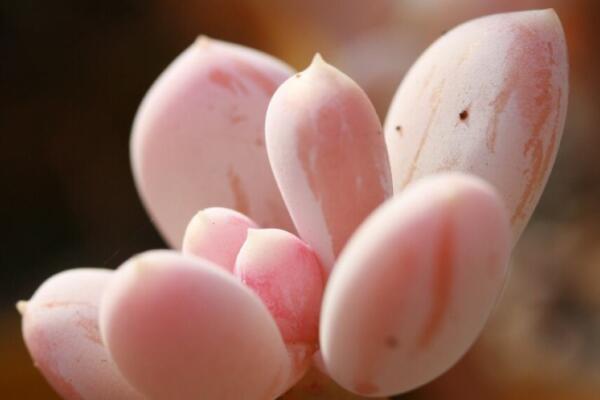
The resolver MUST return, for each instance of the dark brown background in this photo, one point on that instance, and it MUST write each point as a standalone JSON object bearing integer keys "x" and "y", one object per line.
{"x": 73, "y": 72}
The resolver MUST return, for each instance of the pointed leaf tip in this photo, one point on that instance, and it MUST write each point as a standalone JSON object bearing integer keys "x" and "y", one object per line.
{"x": 21, "y": 307}
{"x": 203, "y": 41}
{"x": 318, "y": 59}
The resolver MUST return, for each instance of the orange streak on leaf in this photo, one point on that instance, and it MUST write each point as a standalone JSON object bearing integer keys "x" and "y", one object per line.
{"x": 91, "y": 330}
{"x": 442, "y": 285}
{"x": 435, "y": 100}
{"x": 264, "y": 82}
{"x": 239, "y": 195}
{"x": 340, "y": 153}
{"x": 227, "y": 81}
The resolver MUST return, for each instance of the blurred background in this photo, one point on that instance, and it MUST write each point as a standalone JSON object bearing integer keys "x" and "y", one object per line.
{"x": 73, "y": 72}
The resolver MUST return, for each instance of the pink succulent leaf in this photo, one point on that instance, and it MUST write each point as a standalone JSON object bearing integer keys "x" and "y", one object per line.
{"x": 198, "y": 138}
{"x": 60, "y": 328}
{"x": 217, "y": 234}
{"x": 488, "y": 98}
{"x": 414, "y": 286}
{"x": 179, "y": 327}
{"x": 286, "y": 275}
{"x": 327, "y": 151}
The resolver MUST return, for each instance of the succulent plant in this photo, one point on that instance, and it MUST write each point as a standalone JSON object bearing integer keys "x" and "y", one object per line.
{"x": 324, "y": 241}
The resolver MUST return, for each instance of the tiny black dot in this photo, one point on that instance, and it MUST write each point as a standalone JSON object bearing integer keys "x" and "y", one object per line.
{"x": 398, "y": 128}
{"x": 464, "y": 114}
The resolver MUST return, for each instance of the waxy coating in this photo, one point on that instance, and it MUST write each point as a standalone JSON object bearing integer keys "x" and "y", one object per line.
{"x": 327, "y": 151}
{"x": 60, "y": 328}
{"x": 217, "y": 234}
{"x": 287, "y": 276}
{"x": 179, "y": 327}
{"x": 488, "y": 98}
{"x": 198, "y": 138}
{"x": 414, "y": 286}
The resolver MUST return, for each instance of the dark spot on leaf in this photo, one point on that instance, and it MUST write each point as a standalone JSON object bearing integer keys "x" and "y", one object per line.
{"x": 391, "y": 342}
